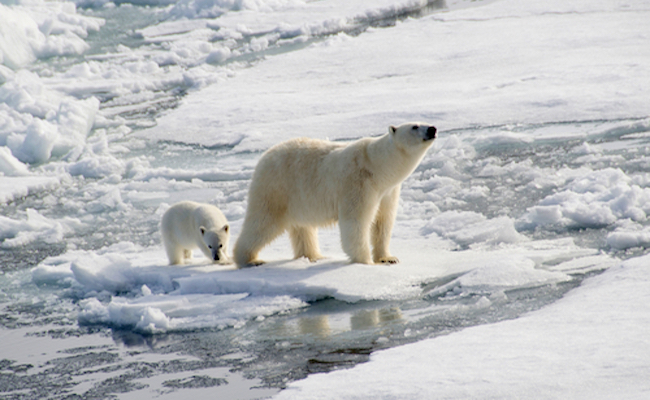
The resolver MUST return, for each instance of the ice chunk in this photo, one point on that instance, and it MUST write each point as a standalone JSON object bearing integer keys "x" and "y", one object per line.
{"x": 151, "y": 314}
{"x": 12, "y": 188}
{"x": 19, "y": 37}
{"x": 39, "y": 123}
{"x": 41, "y": 29}
{"x": 36, "y": 227}
{"x": 596, "y": 199}
{"x": 623, "y": 238}
{"x": 467, "y": 228}
{"x": 218, "y": 56}
{"x": 38, "y": 142}
{"x": 10, "y": 165}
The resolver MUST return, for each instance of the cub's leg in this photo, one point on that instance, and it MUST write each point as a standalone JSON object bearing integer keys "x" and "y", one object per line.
{"x": 304, "y": 241}
{"x": 174, "y": 251}
{"x": 383, "y": 226}
{"x": 174, "y": 254}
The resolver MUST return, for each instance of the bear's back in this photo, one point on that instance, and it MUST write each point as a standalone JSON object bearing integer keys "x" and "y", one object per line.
{"x": 209, "y": 216}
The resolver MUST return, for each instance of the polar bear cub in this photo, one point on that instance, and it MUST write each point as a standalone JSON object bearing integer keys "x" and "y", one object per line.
{"x": 188, "y": 225}
{"x": 302, "y": 184}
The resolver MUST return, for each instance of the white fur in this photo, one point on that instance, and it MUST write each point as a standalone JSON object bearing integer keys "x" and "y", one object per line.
{"x": 188, "y": 225}
{"x": 302, "y": 184}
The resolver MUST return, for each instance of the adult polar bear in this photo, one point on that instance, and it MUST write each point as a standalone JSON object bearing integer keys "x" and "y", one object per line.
{"x": 301, "y": 184}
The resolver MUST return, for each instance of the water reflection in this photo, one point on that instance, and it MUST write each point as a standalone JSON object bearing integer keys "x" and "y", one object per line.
{"x": 326, "y": 325}
{"x": 367, "y": 319}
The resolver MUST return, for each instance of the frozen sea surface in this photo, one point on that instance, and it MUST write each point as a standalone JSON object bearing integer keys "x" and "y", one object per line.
{"x": 523, "y": 235}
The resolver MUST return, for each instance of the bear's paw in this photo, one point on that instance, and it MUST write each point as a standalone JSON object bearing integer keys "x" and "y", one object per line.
{"x": 255, "y": 263}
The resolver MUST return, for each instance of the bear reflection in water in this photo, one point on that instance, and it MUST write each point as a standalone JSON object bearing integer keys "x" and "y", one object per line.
{"x": 325, "y": 325}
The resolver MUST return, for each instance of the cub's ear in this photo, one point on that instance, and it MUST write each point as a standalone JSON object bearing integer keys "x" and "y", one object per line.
{"x": 225, "y": 228}
{"x": 202, "y": 229}
{"x": 392, "y": 129}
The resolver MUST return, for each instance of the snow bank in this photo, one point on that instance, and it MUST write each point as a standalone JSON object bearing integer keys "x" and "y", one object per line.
{"x": 590, "y": 344}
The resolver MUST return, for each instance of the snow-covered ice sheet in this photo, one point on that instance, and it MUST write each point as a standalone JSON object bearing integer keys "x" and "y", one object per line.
{"x": 592, "y": 344}
{"x": 461, "y": 68}
{"x": 155, "y": 297}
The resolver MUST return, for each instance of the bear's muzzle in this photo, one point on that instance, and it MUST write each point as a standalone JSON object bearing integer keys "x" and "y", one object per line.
{"x": 430, "y": 134}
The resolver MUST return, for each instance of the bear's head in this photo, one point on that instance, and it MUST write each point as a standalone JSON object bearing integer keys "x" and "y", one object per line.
{"x": 413, "y": 136}
{"x": 217, "y": 242}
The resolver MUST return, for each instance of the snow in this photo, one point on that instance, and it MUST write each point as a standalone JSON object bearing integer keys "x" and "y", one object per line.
{"x": 10, "y": 165}
{"x": 39, "y": 122}
{"x": 463, "y": 78}
{"x": 162, "y": 298}
{"x": 36, "y": 121}
{"x": 12, "y": 187}
{"x": 598, "y": 198}
{"x": 18, "y": 233}
{"x": 590, "y": 344}
{"x": 629, "y": 235}
{"x": 466, "y": 228}
{"x": 41, "y": 29}
{"x": 92, "y": 138}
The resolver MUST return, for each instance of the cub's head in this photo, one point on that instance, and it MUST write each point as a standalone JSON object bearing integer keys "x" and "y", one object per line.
{"x": 415, "y": 136}
{"x": 217, "y": 242}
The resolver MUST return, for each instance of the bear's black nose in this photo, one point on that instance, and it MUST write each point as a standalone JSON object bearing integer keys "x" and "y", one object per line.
{"x": 431, "y": 133}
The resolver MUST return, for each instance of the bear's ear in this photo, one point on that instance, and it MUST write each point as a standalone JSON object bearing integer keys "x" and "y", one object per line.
{"x": 202, "y": 229}
{"x": 226, "y": 228}
{"x": 392, "y": 129}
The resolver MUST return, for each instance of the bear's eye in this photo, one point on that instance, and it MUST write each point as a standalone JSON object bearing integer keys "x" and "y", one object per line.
{"x": 209, "y": 247}
{"x": 415, "y": 127}
{"x": 220, "y": 246}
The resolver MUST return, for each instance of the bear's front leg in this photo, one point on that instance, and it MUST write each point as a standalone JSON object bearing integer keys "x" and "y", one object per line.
{"x": 259, "y": 229}
{"x": 382, "y": 228}
{"x": 355, "y": 219}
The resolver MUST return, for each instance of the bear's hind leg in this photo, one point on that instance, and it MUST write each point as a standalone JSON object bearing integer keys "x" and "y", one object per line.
{"x": 187, "y": 254}
{"x": 304, "y": 241}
